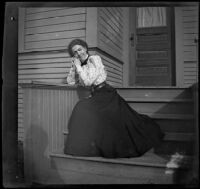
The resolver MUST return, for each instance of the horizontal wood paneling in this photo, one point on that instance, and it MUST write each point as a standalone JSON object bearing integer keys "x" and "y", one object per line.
{"x": 54, "y": 13}
{"x": 55, "y": 28}
{"x": 43, "y": 9}
{"x": 51, "y": 44}
{"x": 55, "y": 21}
{"x": 42, "y": 66}
{"x": 52, "y": 36}
{"x": 190, "y": 47}
{"x": 52, "y": 28}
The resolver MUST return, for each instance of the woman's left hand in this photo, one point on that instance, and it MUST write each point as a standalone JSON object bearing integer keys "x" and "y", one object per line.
{"x": 76, "y": 62}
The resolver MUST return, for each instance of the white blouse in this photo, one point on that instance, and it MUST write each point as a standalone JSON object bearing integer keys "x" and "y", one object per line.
{"x": 93, "y": 73}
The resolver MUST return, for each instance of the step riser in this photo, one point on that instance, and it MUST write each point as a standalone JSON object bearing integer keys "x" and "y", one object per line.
{"x": 182, "y": 126}
{"x": 168, "y": 147}
{"x": 137, "y": 174}
{"x": 172, "y": 147}
{"x": 162, "y": 108}
{"x": 156, "y": 93}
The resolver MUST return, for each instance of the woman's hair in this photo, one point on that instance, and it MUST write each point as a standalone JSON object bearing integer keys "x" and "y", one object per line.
{"x": 76, "y": 42}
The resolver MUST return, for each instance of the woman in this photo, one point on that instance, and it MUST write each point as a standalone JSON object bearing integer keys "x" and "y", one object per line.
{"x": 104, "y": 124}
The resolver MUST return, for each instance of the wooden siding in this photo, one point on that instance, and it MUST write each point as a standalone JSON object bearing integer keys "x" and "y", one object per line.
{"x": 190, "y": 47}
{"x": 51, "y": 28}
{"x": 46, "y": 67}
{"x": 110, "y": 31}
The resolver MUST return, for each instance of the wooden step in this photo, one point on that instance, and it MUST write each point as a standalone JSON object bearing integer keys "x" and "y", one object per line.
{"x": 172, "y": 143}
{"x": 169, "y": 147}
{"x": 163, "y": 107}
{"x": 149, "y": 168}
{"x": 156, "y": 92}
{"x": 170, "y": 116}
{"x": 157, "y": 100}
{"x": 169, "y": 136}
{"x": 176, "y": 125}
{"x": 179, "y": 136}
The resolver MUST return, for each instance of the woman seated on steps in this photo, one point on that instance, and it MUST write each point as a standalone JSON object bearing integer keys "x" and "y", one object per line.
{"x": 104, "y": 124}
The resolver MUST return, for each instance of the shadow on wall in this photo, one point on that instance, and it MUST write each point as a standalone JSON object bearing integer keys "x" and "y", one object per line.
{"x": 37, "y": 167}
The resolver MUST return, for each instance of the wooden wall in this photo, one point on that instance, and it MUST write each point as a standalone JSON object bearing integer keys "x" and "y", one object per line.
{"x": 110, "y": 31}
{"x": 44, "y": 34}
{"x": 50, "y": 28}
{"x": 190, "y": 46}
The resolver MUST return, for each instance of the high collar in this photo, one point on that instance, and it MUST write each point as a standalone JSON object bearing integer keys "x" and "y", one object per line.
{"x": 85, "y": 61}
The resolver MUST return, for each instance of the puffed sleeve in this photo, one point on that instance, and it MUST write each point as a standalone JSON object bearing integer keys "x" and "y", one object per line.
{"x": 92, "y": 72}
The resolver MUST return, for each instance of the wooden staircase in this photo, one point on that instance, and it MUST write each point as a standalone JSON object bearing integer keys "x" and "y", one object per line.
{"x": 173, "y": 109}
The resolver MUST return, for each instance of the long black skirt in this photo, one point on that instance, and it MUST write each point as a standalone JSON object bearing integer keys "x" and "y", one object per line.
{"x": 105, "y": 125}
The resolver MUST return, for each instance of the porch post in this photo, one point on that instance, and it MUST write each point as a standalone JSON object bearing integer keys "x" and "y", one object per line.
{"x": 126, "y": 35}
{"x": 91, "y": 26}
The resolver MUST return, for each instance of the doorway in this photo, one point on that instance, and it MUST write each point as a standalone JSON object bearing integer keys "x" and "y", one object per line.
{"x": 152, "y": 46}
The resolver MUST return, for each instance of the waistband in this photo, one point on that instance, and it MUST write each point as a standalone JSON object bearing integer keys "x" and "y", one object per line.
{"x": 95, "y": 87}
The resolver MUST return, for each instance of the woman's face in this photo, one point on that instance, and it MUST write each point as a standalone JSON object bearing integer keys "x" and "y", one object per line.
{"x": 80, "y": 52}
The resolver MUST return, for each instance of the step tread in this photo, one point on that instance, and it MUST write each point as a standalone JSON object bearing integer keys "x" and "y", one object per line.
{"x": 169, "y": 136}
{"x": 169, "y": 116}
{"x": 179, "y": 136}
{"x": 150, "y": 99}
{"x": 152, "y": 87}
{"x": 149, "y": 159}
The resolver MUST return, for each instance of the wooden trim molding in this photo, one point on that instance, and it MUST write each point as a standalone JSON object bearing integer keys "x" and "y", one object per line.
{"x": 91, "y": 26}
{"x": 179, "y": 47}
{"x": 21, "y": 29}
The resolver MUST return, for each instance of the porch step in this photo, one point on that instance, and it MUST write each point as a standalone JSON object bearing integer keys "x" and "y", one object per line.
{"x": 168, "y": 136}
{"x": 169, "y": 116}
{"x": 172, "y": 143}
{"x": 161, "y": 106}
{"x": 172, "y": 109}
{"x": 156, "y": 92}
{"x": 147, "y": 169}
{"x": 157, "y": 99}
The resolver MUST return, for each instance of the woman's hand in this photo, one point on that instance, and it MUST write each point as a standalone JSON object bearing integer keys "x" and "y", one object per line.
{"x": 76, "y": 62}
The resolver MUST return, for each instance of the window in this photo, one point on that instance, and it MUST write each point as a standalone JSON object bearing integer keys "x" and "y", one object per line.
{"x": 151, "y": 17}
